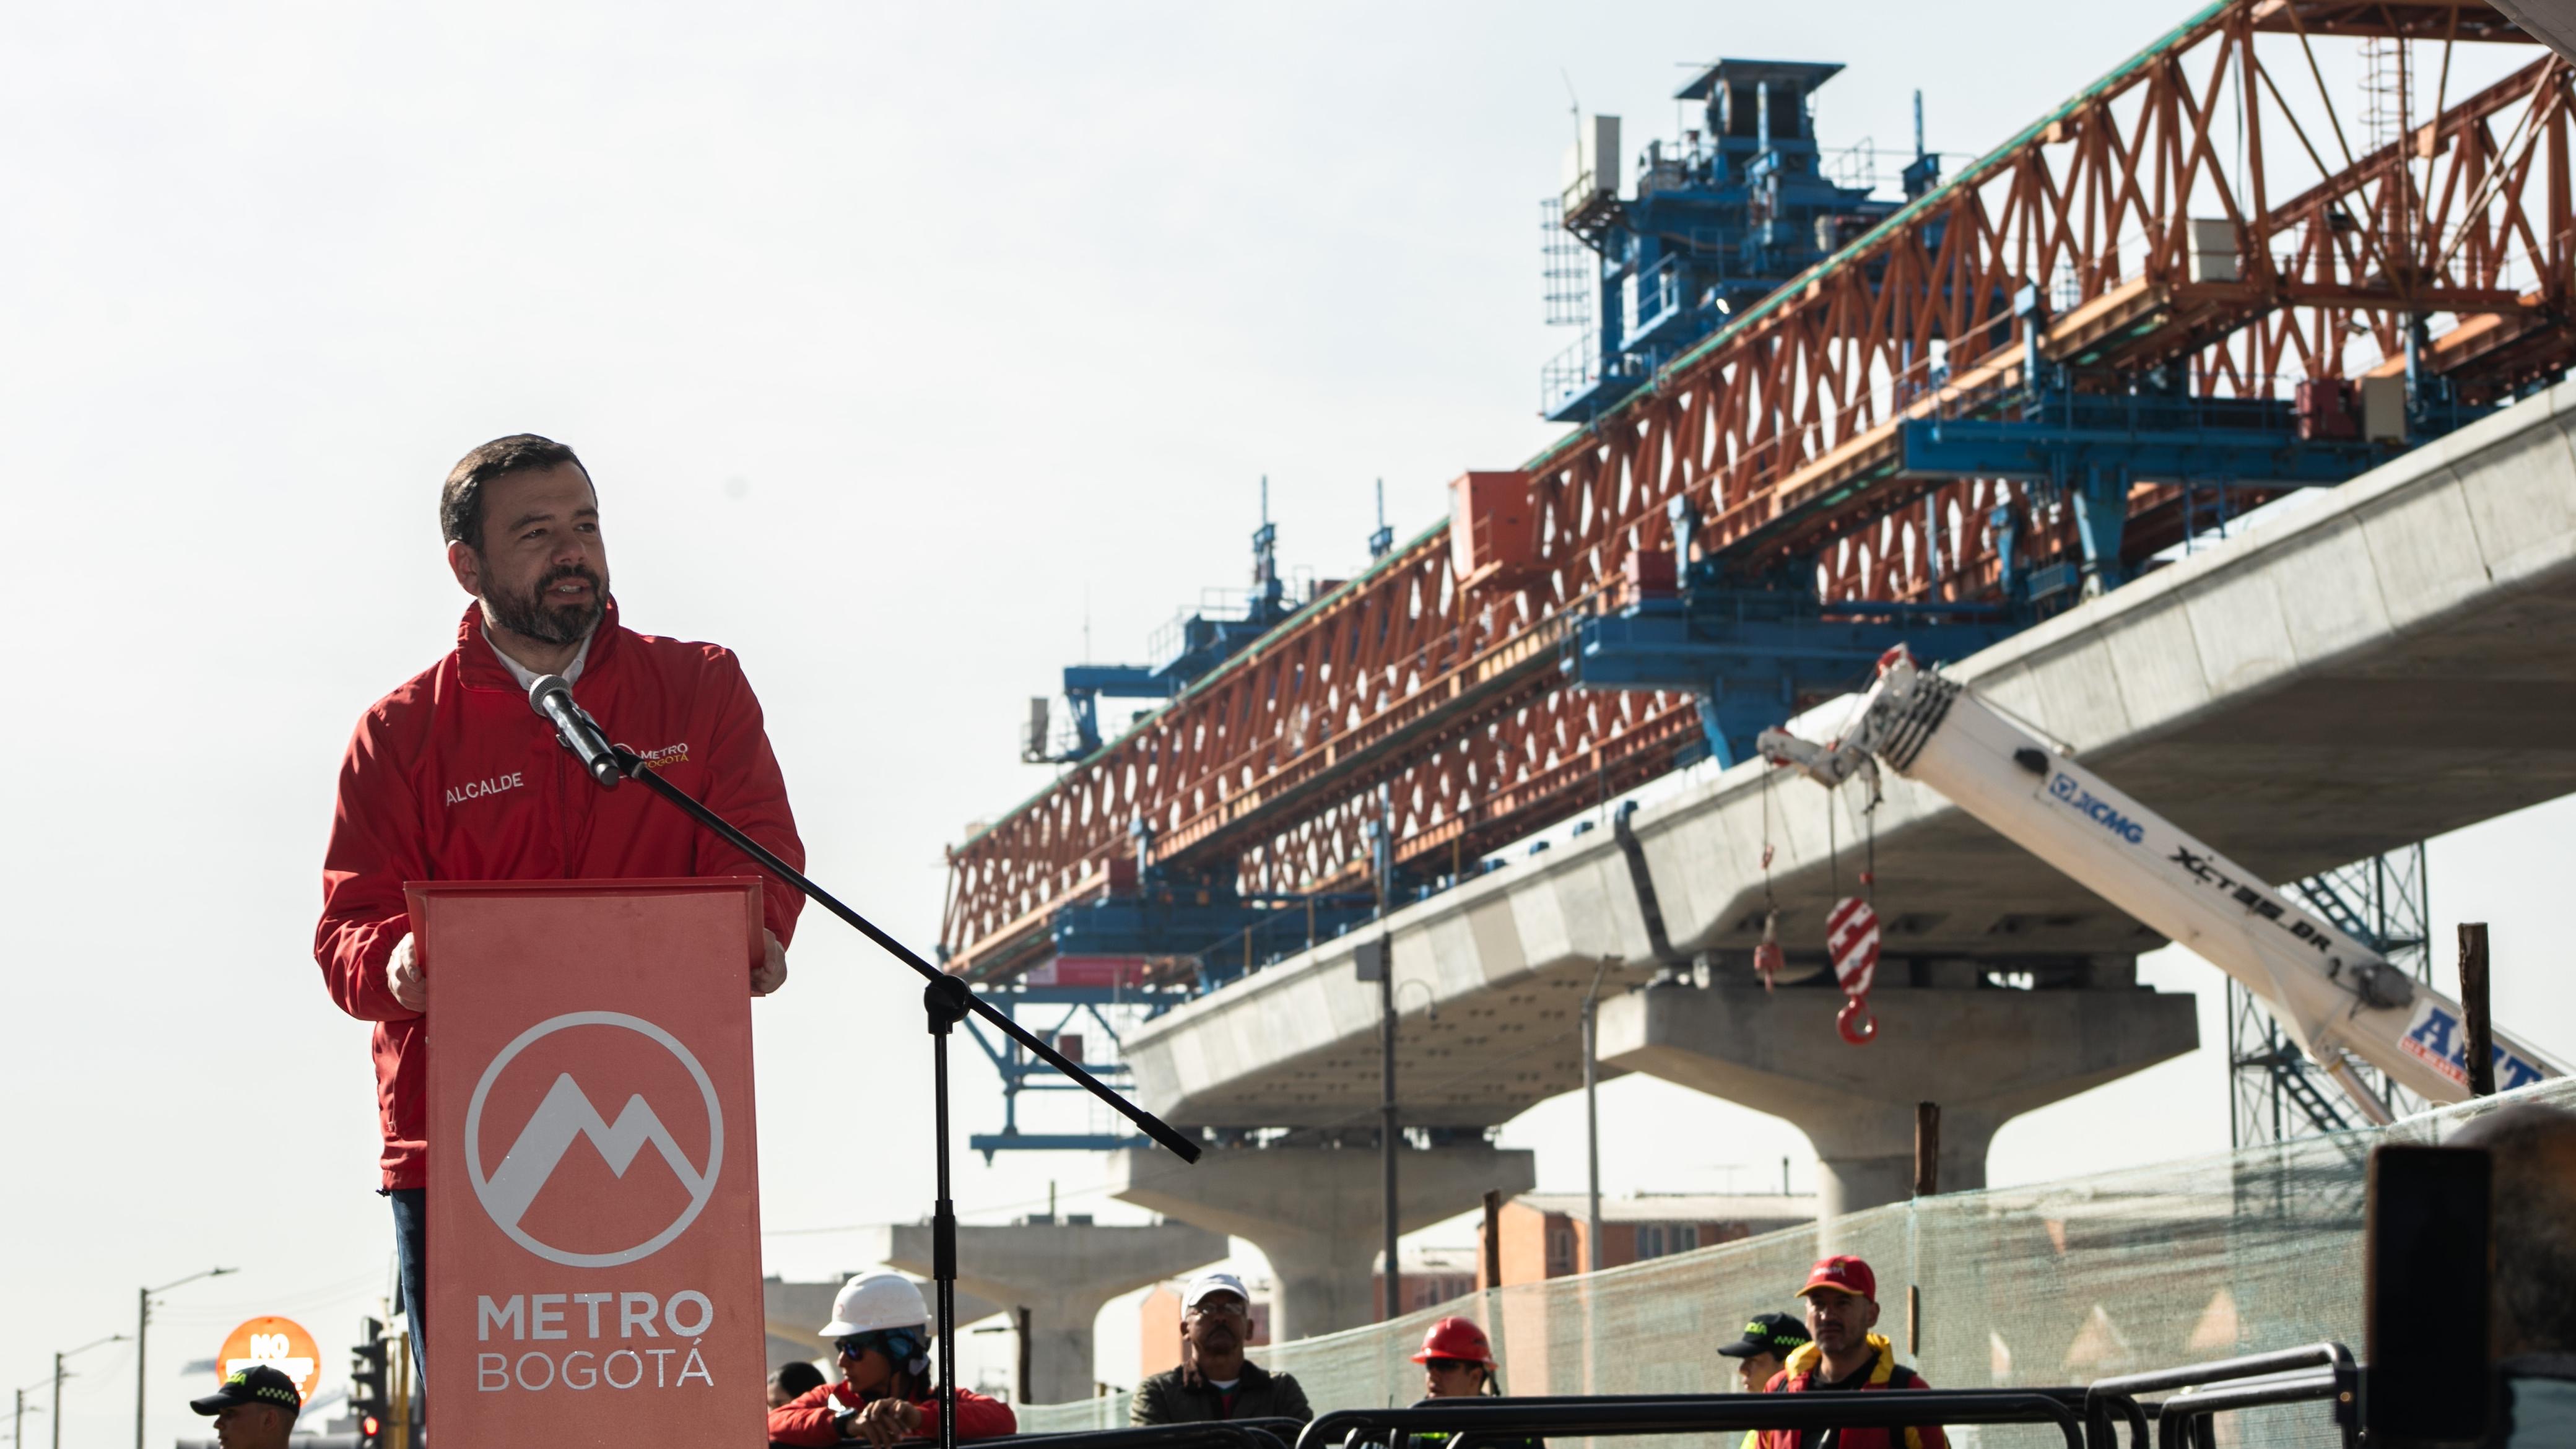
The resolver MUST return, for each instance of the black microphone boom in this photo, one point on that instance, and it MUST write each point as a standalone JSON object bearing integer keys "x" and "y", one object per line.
{"x": 946, "y": 999}
{"x": 551, "y": 696}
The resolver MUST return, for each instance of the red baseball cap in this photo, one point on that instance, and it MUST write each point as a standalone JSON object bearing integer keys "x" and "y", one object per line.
{"x": 1843, "y": 1274}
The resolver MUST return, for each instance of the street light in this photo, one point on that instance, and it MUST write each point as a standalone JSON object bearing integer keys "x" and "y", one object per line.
{"x": 143, "y": 1325}
{"x": 59, "y": 1376}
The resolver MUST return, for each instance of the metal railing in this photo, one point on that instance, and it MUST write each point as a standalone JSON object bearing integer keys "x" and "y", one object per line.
{"x": 1491, "y": 1421}
{"x": 1226, "y": 1434}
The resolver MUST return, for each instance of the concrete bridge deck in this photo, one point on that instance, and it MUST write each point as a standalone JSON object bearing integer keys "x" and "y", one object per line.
{"x": 2394, "y": 661}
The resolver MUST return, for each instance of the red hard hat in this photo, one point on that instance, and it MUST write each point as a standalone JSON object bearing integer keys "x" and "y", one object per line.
{"x": 1456, "y": 1338}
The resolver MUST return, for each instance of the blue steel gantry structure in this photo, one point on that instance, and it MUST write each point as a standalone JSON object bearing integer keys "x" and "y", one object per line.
{"x": 1713, "y": 221}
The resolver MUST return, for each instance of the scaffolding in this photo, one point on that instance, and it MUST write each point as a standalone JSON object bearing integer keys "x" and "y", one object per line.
{"x": 2277, "y": 1094}
{"x": 1566, "y": 270}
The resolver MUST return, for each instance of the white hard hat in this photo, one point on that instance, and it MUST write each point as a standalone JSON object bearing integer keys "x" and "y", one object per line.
{"x": 1207, "y": 1283}
{"x": 873, "y": 1301}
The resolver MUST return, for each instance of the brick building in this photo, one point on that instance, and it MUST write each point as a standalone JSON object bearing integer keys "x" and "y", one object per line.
{"x": 1545, "y": 1234}
{"x": 1432, "y": 1276}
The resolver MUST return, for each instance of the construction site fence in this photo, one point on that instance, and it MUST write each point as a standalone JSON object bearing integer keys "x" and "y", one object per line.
{"x": 2049, "y": 1284}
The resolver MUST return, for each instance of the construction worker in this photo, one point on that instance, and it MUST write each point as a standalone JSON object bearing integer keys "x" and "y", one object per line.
{"x": 1457, "y": 1361}
{"x": 255, "y": 1409}
{"x": 1843, "y": 1355}
{"x": 1764, "y": 1349}
{"x": 1215, "y": 1380}
{"x": 882, "y": 1331}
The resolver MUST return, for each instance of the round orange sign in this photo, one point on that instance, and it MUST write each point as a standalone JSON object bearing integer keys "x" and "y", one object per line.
{"x": 282, "y": 1344}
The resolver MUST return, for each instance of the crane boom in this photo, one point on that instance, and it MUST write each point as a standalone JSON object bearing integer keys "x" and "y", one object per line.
{"x": 2336, "y": 996}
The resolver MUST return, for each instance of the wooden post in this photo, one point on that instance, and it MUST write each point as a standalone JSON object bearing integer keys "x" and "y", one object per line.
{"x": 1927, "y": 1148}
{"x": 1020, "y": 1395}
{"x": 1493, "y": 1240}
{"x": 2476, "y": 1025}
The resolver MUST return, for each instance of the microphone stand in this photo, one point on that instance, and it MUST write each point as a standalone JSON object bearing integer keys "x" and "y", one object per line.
{"x": 947, "y": 1000}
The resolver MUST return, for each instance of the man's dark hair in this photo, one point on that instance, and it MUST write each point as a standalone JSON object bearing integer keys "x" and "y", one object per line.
{"x": 460, "y": 502}
{"x": 797, "y": 1377}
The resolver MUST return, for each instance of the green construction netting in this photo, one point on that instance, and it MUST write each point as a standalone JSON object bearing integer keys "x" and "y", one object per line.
{"x": 2057, "y": 1283}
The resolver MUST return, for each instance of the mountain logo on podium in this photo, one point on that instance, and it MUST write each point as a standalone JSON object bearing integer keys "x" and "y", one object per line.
{"x": 565, "y": 1116}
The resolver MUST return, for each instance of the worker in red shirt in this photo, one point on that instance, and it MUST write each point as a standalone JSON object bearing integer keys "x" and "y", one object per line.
{"x": 881, "y": 1330}
{"x": 1843, "y": 1355}
{"x": 454, "y": 777}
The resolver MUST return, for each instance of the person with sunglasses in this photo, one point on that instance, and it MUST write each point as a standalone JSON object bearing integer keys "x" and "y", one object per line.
{"x": 1457, "y": 1363}
{"x": 881, "y": 1328}
{"x": 1215, "y": 1381}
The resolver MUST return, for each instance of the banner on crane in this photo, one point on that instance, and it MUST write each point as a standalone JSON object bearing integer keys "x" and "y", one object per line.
{"x": 2435, "y": 1036}
{"x": 592, "y": 1178}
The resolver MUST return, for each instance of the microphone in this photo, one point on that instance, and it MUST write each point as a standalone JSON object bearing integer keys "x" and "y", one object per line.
{"x": 575, "y": 730}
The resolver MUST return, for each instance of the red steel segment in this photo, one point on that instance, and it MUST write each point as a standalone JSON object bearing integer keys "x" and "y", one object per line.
{"x": 1405, "y": 696}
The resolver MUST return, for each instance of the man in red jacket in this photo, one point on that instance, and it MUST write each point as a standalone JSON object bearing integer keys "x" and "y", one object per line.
{"x": 1842, "y": 1354}
{"x": 453, "y": 777}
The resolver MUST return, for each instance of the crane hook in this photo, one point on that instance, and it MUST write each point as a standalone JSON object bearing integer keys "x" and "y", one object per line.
{"x": 1856, "y": 1022}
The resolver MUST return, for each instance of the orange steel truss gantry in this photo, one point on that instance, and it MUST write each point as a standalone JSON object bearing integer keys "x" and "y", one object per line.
{"x": 2204, "y": 211}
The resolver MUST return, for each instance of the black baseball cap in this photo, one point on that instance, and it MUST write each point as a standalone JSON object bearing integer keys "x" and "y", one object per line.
{"x": 258, "y": 1384}
{"x": 1768, "y": 1333}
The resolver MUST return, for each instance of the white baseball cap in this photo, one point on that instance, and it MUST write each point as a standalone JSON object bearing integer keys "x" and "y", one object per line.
{"x": 873, "y": 1301}
{"x": 1206, "y": 1283}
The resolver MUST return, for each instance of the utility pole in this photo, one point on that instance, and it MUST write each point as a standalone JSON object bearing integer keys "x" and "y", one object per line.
{"x": 143, "y": 1327}
{"x": 59, "y": 1376}
{"x": 1387, "y": 1131}
{"x": 1384, "y": 864}
{"x": 1592, "y": 1124}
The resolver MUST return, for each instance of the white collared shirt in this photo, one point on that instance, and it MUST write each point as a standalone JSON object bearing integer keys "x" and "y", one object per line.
{"x": 528, "y": 677}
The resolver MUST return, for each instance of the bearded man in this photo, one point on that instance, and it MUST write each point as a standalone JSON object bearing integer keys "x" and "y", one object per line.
{"x": 454, "y": 777}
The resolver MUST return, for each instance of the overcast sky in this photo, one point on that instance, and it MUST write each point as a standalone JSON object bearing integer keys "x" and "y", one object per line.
{"x": 905, "y": 343}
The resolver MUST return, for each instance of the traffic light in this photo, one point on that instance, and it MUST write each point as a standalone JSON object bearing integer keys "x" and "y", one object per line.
{"x": 367, "y": 1379}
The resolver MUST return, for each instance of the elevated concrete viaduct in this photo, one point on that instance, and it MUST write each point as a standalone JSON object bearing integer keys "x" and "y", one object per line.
{"x": 2394, "y": 661}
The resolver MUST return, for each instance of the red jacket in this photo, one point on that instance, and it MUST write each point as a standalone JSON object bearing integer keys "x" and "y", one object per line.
{"x": 453, "y": 777}
{"x": 810, "y": 1418}
{"x": 1806, "y": 1362}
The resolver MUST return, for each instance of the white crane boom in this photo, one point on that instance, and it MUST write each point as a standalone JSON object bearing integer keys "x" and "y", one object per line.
{"x": 2333, "y": 994}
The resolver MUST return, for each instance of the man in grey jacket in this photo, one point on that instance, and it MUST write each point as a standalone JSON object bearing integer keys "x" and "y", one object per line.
{"x": 1214, "y": 1380}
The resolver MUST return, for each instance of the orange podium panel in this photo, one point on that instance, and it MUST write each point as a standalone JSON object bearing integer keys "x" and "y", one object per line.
{"x": 594, "y": 1214}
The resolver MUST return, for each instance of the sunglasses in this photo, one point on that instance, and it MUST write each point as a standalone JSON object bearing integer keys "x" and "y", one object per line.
{"x": 1450, "y": 1365}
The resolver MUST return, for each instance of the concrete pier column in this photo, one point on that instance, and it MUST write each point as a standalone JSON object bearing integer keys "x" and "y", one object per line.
{"x": 1062, "y": 1273}
{"x": 1317, "y": 1212}
{"x": 1985, "y": 1055}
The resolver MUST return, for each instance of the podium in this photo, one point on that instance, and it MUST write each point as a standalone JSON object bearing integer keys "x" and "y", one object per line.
{"x": 594, "y": 1218}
